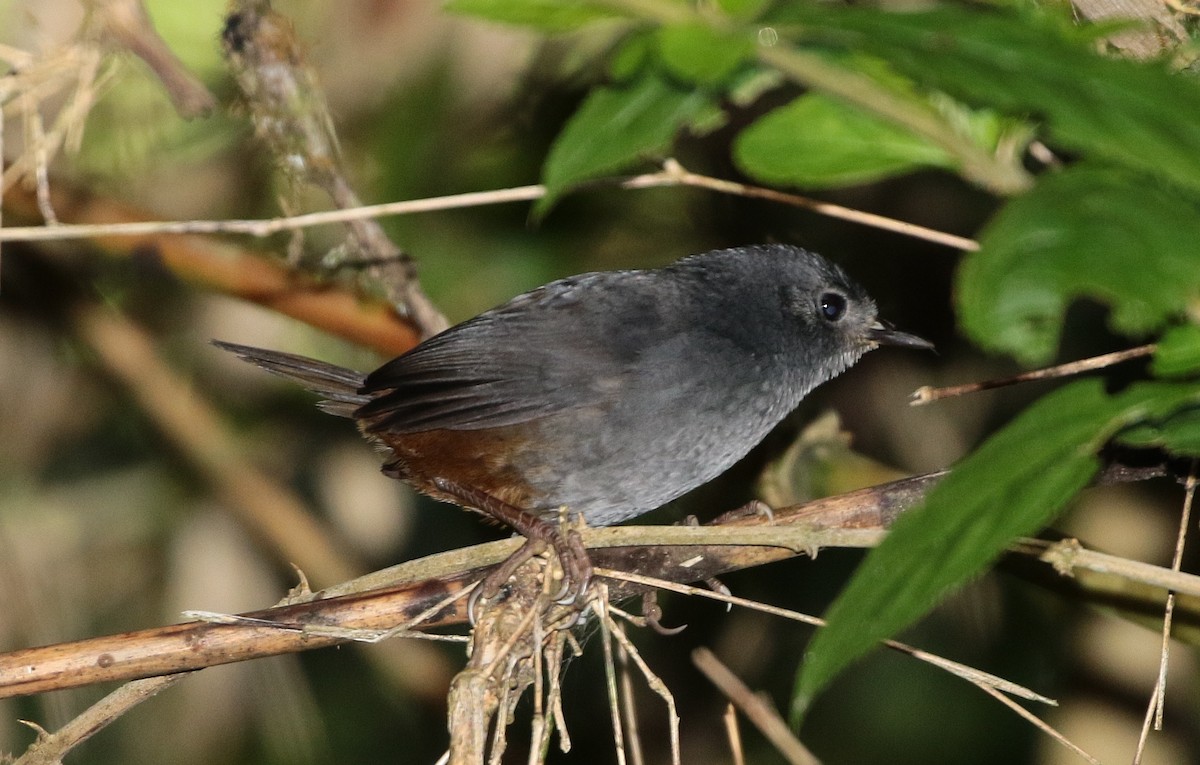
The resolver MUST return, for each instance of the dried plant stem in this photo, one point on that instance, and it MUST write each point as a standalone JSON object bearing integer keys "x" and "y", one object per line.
{"x": 970, "y": 674}
{"x": 656, "y": 684}
{"x": 927, "y": 394}
{"x": 734, "y": 734}
{"x": 756, "y": 709}
{"x": 50, "y": 748}
{"x": 610, "y": 678}
{"x": 389, "y": 597}
{"x": 672, "y": 174}
{"x": 1069, "y": 556}
{"x": 629, "y": 710}
{"x": 1155, "y": 709}
{"x": 1038, "y": 723}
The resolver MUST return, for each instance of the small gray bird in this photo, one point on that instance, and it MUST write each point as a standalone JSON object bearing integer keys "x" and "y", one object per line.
{"x": 607, "y": 393}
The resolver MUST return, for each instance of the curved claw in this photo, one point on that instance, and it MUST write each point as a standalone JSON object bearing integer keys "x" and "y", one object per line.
{"x": 652, "y": 613}
{"x": 576, "y": 567}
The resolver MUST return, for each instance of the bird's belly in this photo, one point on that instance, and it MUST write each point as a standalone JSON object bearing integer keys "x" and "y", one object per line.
{"x": 610, "y": 474}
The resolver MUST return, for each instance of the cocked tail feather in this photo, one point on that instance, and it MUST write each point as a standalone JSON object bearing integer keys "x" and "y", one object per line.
{"x": 338, "y": 386}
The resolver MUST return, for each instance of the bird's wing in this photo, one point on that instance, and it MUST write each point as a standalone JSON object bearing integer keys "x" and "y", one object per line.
{"x": 559, "y": 347}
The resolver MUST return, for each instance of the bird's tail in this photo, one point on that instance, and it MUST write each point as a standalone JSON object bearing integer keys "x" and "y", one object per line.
{"x": 337, "y": 385}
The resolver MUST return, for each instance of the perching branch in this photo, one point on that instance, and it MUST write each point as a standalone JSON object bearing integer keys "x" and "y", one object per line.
{"x": 394, "y": 596}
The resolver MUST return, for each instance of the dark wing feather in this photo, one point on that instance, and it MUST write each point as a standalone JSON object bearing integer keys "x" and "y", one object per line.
{"x": 549, "y": 350}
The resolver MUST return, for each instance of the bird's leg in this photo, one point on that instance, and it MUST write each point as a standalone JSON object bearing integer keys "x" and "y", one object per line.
{"x": 538, "y": 532}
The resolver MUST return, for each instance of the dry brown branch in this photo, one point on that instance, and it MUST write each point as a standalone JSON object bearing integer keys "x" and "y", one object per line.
{"x": 290, "y": 114}
{"x": 381, "y": 600}
{"x": 50, "y": 748}
{"x": 232, "y": 270}
{"x": 396, "y": 595}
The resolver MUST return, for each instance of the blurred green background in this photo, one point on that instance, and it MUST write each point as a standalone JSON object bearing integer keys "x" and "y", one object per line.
{"x": 104, "y": 528}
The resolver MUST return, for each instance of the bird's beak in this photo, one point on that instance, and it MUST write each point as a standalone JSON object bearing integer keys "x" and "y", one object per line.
{"x": 882, "y": 335}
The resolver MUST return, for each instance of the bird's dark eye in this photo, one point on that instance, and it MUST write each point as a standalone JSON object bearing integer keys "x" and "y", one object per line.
{"x": 833, "y": 306}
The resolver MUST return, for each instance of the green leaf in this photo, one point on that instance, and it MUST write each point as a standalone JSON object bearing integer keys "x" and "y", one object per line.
{"x": 746, "y": 88}
{"x": 631, "y": 56}
{"x": 1178, "y": 353}
{"x": 546, "y": 15}
{"x": 616, "y": 127}
{"x": 1135, "y": 113}
{"x": 819, "y": 141}
{"x": 744, "y": 9}
{"x": 1011, "y": 486}
{"x": 1085, "y": 232}
{"x": 699, "y": 54}
{"x": 1179, "y": 434}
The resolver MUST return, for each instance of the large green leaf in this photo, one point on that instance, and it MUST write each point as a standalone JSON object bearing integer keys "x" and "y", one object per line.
{"x": 818, "y": 141}
{"x": 695, "y": 52}
{"x": 616, "y": 126}
{"x": 1178, "y": 434}
{"x": 1092, "y": 232}
{"x": 1138, "y": 114}
{"x": 1178, "y": 352}
{"x": 1012, "y": 485}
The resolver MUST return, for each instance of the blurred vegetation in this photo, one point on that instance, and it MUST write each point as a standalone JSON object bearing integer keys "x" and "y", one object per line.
{"x": 107, "y": 525}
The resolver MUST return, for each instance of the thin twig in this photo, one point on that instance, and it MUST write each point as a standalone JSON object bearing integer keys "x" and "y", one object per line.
{"x": 629, "y": 709}
{"x": 610, "y": 676}
{"x": 656, "y": 684}
{"x": 1037, "y": 722}
{"x": 41, "y": 163}
{"x": 50, "y": 748}
{"x": 1157, "y": 705}
{"x": 673, "y": 174}
{"x": 733, "y": 734}
{"x": 970, "y": 674}
{"x": 1069, "y": 555}
{"x": 927, "y": 394}
{"x": 539, "y": 734}
{"x": 759, "y": 712}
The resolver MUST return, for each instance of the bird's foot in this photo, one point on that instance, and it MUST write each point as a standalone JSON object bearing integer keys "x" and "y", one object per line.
{"x": 540, "y": 535}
